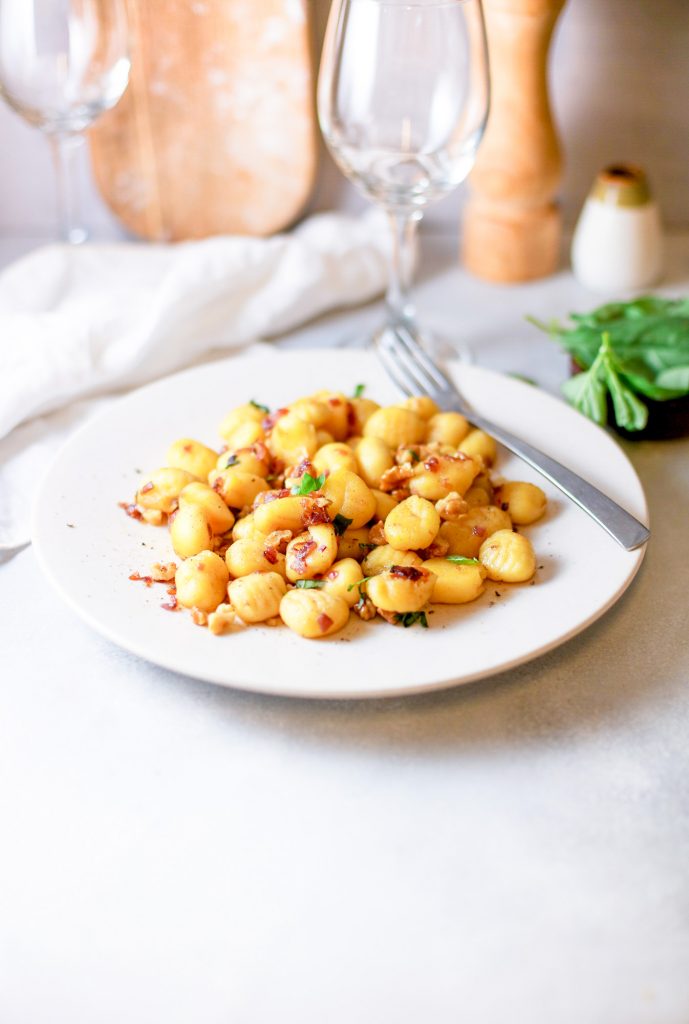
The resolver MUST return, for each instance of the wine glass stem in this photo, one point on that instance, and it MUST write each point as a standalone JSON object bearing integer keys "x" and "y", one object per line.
{"x": 66, "y": 152}
{"x": 403, "y": 224}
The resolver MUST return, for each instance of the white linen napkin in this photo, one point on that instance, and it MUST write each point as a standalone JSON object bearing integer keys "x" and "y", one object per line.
{"x": 78, "y": 324}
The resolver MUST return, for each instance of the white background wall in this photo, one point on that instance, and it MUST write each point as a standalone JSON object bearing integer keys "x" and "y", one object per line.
{"x": 620, "y": 87}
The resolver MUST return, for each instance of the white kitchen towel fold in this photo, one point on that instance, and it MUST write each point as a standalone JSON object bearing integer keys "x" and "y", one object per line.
{"x": 80, "y": 323}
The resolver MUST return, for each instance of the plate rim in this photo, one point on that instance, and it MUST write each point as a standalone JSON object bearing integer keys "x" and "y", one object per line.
{"x": 165, "y": 661}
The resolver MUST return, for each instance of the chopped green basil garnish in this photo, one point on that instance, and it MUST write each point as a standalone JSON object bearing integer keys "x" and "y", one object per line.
{"x": 414, "y": 456}
{"x": 308, "y": 484}
{"x": 411, "y": 618}
{"x": 340, "y": 524}
{"x": 310, "y": 584}
{"x": 365, "y": 546}
{"x": 257, "y": 405}
{"x": 359, "y": 390}
{"x": 461, "y": 560}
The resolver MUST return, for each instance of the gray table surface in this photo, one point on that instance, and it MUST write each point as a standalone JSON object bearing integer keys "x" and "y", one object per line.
{"x": 514, "y": 850}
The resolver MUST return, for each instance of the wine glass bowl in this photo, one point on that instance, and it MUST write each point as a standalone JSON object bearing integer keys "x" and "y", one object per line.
{"x": 403, "y": 98}
{"x": 62, "y": 64}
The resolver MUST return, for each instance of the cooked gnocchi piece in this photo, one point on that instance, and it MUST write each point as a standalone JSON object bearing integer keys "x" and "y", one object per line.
{"x": 334, "y": 504}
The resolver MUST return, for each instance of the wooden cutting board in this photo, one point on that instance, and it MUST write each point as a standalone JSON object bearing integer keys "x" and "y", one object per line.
{"x": 216, "y": 132}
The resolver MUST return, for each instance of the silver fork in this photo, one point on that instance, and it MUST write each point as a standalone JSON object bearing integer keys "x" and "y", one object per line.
{"x": 415, "y": 373}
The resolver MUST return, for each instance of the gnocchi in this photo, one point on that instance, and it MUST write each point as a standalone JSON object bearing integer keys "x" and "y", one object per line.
{"x": 333, "y": 505}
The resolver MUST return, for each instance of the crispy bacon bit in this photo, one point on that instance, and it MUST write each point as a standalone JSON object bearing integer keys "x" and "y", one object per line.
{"x": 147, "y": 487}
{"x": 478, "y": 531}
{"x": 186, "y": 447}
{"x": 334, "y": 401}
{"x": 313, "y": 513}
{"x": 504, "y": 505}
{"x": 279, "y": 539}
{"x": 269, "y": 422}
{"x": 270, "y": 555}
{"x": 163, "y": 572}
{"x": 148, "y": 580}
{"x": 376, "y": 534}
{"x": 131, "y": 509}
{"x": 407, "y": 572}
{"x": 300, "y": 552}
{"x": 171, "y": 605}
{"x": 324, "y": 622}
{"x": 351, "y": 417}
{"x": 172, "y": 589}
{"x": 199, "y": 617}
{"x": 432, "y": 464}
{"x": 263, "y": 497}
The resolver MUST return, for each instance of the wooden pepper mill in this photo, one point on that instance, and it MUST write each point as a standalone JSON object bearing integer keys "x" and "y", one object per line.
{"x": 512, "y": 225}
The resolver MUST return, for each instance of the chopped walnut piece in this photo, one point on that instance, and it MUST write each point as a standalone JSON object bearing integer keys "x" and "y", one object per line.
{"x": 365, "y": 609}
{"x": 451, "y": 507}
{"x": 395, "y": 476}
{"x": 221, "y": 619}
{"x": 153, "y": 516}
{"x": 438, "y": 549}
{"x": 221, "y": 543}
{"x": 391, "y": 617}
{"x": 163, "y": 572}
{"x": 400, "y": 493}
{"x": 376, "y": 534}
{"x": 278, "y": 540}
{"x": 198, "y": 617}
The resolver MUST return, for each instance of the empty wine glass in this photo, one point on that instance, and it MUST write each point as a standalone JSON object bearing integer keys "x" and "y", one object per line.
{"x": 62, "y": 63}
{"x": 403, "y": 98}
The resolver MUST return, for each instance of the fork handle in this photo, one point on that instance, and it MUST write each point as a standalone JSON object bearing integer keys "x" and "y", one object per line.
{"x": 625, "y": 529}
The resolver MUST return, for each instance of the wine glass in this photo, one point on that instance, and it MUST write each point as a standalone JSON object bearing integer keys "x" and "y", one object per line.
{"x": 403, "y": 97}
{"x": 62, "y": 63}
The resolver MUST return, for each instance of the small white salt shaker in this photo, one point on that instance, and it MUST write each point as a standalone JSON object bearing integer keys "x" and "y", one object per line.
{"x": 618, "y": 241}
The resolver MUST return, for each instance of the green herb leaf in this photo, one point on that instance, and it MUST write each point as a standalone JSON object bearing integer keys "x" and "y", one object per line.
{"x": 523, "y": 378}
{"x": 340, "y": 524}
{"x": 257, "y": 405}
{"x": 647, "y": 354}
{"x": 365, "y": 546}
{"x": 231, "y": 461}
{"x": 359, "y": 583}
{"x": 310, "y": 584}
{"x": 309, "y": 483}
{"x": 461, "y": 560}
{"x": 359, "y": 390}
{"x": 411, "y": 618}
{"x": 414, "y": 456}
{"x": 587, "y": 394}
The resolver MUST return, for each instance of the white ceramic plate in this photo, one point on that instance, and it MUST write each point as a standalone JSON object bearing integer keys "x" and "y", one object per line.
{"x": 88, "y": 546}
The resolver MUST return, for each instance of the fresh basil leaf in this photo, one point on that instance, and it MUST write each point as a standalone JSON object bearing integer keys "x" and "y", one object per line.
{"x": 411, "y": 618}
{"x": 630, "y": 411}
{"x": 359, "y": 390}
{"x": 309, "y": 483}
{"x": 310, "y": 584}
{"x": 257, "y": 405}
{"x": 414, "y": 456}
{"x": 365, "y": 546}
{"x": 359, "y": 583}
{"x": 340, "y": 524}
{"x": 587, "y": 394}
{"x": 461, "y": 560}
